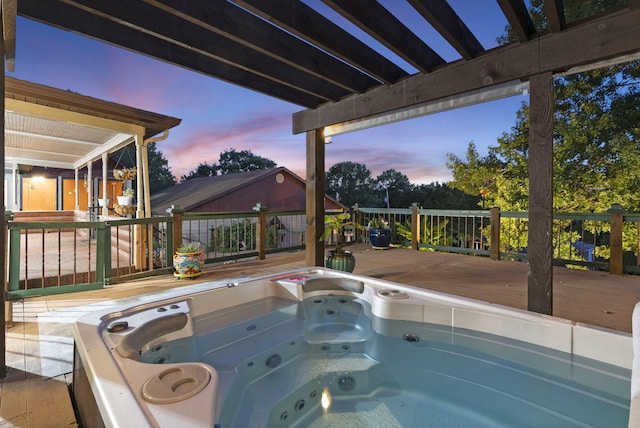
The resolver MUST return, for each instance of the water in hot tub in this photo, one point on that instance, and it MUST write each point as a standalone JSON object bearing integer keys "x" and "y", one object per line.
{"x": 327, "y": 362}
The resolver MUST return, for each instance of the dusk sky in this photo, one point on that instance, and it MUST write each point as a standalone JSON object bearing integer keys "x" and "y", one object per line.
{"x": 217, "y": 116}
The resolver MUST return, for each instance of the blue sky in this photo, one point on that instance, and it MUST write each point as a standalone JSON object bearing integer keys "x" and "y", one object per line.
{"x": 217, "y": 116}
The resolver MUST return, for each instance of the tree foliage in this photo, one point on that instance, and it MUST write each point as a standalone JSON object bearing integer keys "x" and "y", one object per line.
{"x": 160, "y": 175}
{"x": 350, "y": 183}
{"x": 202, "y": 170}
{"x": 230, "y": 162}
{"x": 596, "y": 140}
{"x": 395, "y": 188}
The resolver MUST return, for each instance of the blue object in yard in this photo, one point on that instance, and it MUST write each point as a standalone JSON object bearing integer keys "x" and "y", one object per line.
{"x": 586, "y": 250}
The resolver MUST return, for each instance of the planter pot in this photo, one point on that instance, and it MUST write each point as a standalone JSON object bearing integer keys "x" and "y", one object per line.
{"x": 188, "y": 265}
{"x": 125, "y": 174}
{"x": 345, "y": 262}
{"x": 380, "y": 238}
{"x": 125, "y": 200}
{"x": 104, "y": 202}
{"x": 124, "y": 210}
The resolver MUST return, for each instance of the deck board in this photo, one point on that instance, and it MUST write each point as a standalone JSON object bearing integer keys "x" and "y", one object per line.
{"x": 40, "y": 344}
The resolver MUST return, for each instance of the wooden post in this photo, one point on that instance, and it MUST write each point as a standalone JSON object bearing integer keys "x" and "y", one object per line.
{"x": 314, "y": 199}
{"x": 261, "y": 232}
{"x": 495, "y": 234}
{"x": 616, "y": 213}
{"x": 176, "y": 212}
{"x": 3, "y": 229}
{"x": 357, "y": 233}
{"x": 540, "y": 249}
{"x": 415, "y": 226}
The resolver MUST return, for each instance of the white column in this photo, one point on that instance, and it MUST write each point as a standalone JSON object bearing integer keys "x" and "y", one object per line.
{"x": 105, "y": 208}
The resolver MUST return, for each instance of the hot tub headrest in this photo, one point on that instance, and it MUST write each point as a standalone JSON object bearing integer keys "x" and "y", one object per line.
{"x": 131, "y": 345}
{"x": 321, "y": 284}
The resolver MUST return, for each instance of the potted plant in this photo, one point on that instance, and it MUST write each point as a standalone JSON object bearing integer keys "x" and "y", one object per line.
{"x": 127, "y": 197}
{"x": 339, "y": 259}
{"x": 379, "y": 233}
{"x": 104, "y": 202}
{"x": 188, "y": 260}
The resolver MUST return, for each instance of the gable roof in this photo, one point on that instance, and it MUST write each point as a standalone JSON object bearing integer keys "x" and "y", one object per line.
{"x": 193, "y": 193}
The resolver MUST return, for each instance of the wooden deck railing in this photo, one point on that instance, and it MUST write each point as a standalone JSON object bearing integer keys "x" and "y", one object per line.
{"x": 602, "y": 241}
{"x": 47, "y": 257}
{"x": 50, "y": 257}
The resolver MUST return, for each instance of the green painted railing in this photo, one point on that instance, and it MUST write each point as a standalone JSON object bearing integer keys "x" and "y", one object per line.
{"x": 52, "y": 257}
{"x": 59, "y": 257}
{"x": 581, "y": 240}
{"x": 64, "y": 256}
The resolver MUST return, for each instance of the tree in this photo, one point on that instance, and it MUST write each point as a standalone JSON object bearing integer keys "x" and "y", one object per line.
{"x": 596, "y": 138}
{"x": 232, "y": 161}
{"x": 160, "y": 175}
{"x": 202, "y": 170}
{"x": 395, "y": 188}
{"x": 350, "y": 183}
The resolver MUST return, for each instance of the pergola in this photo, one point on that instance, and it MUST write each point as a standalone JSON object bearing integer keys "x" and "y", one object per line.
{"x": 288, "y": 50}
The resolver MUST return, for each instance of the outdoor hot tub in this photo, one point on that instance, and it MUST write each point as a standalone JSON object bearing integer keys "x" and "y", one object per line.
{"x": 319, "y": 348}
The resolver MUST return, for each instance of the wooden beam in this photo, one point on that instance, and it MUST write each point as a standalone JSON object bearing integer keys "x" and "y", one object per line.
{"x": 593, "y": 41}
{"x": 315, "y": 199}
{"x": 554, "y": 11}
{"x": 73, "y": 19}
{"x": 447, "y": 22}
{"x": 521, "y": 23}
{"x": 379, "y": 23}
{"x": 303, "y": 21}
{"x": 248, "y": 31}
{"x": 540, "y": 246}
{"x": 9, "y": 10}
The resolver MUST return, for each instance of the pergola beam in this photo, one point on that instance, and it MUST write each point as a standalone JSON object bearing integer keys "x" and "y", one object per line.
{"x": 303, "y": 21}
{"x": 447, "y": 22}
{"x": 603, "y": 38}
{"x": 379, "y": 23}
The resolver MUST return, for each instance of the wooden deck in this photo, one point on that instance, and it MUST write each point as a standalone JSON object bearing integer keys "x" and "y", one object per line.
{"x": 40, "y": 341}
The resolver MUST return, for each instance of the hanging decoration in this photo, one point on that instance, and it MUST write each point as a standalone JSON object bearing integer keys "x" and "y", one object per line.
{"x": 125, "y": 173}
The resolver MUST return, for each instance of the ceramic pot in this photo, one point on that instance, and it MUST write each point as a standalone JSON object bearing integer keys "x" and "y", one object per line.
{"x": 188, "y": 265}
{"x": 125, "y": 200}
{"x": 380, "y": 238}
{"x": 345, "y": 261}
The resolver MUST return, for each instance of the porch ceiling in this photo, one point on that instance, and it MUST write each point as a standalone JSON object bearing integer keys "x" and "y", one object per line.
{"x": 53, "y": 128}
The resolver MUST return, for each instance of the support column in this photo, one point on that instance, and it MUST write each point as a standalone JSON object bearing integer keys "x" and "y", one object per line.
{"x": 3, "y": 232}
{"x": 540, "y": 249}
{"x": 314, "y": 199}
{"x": 90, "y": 189}
{"x": 415, "y": 226}
{"x": 495, "y": 234}
{"x": 616, "y": 220}
{"x": 261, "y": 231}
{"x": 105, "y": 159}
